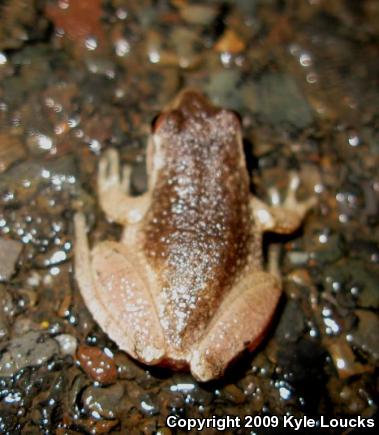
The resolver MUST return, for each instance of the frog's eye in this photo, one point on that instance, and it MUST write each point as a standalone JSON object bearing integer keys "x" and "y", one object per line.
{"x": 156, "y": 122}
{"x": 237, "y": 115}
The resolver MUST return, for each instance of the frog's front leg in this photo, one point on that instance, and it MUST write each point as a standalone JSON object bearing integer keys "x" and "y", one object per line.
{"x": 114, "y": 191}
{"x": 239, "y": 323}
{"x": 284, "y": 218}
{"x": 116, "y": 289}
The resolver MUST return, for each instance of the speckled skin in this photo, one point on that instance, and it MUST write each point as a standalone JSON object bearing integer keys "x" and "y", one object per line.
{"x": 185, "y": 286}
{"x": 197, "y": 230}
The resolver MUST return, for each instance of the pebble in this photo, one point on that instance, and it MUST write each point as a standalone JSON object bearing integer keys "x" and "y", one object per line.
{"x": 329, "y": 250}
{"x": 126, "y": 367}
{"x": 103, "y": 402}
{"x": 366, "y": 336}
{"x": 9, "y": 253}
{"x": 96, "y": 364}
{"x": 67, "y": 343}
{"x": 7, "y": 311}
{"x": 233, "y": 393}
{"x": 298, "y": 258}
{"x": 223, "y": 88}
{"x": 291, "y": 324}
{"x": 344, "y": 359}
{"x": 281, "y": 101}
{"x": 139, "y": 178}
{"x": 31, "y": 349}
{"x": 11, "y": 150}
{"x": 25, "y": 178}
{"x": 230, "y": 42}
{"x": 147, "y": 405}
{"x": 198, "y": 14}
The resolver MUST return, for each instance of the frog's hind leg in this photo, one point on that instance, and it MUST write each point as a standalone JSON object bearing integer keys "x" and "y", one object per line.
{"x": 240, "y": 323}
{"x": 117, "y": 294}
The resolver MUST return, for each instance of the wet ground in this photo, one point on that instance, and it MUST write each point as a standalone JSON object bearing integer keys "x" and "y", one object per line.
{"x": 79, "y": 77}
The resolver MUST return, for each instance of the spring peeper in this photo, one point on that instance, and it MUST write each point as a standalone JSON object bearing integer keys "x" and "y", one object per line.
{"x": 185, "y": 286}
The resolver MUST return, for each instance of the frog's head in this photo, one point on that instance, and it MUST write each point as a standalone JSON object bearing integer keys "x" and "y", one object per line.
{"x": 189, "y": 105}
{"x": 189, "y": 124}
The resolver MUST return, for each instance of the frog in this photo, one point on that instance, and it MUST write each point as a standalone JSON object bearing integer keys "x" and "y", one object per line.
{"x": 186, "y": 286}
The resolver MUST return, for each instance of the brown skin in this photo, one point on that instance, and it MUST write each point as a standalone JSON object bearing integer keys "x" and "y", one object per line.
{"x": 197, "y": 227}
{"x": 185, "y": 286}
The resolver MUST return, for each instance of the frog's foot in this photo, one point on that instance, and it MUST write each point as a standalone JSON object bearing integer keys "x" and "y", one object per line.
{"x": 240, "y": 323}
{"x": 290, "y": 201}
{"x": 114, "y": 191}
{"x": 109, "y": 173}
{"x": 283, "y": 217}
{"x": 116, "y": 291}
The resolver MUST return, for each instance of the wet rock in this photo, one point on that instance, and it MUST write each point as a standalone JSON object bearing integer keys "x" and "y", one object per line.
{"x": 298, "y": 258}
{"x": 76, "y": 387}
{"x": 350, "y": 200}
{"x": 139, "y": 178}
{"x": 230, "y": 42}
{"x": 33, "y": 71}
{"x": 40, "y": 142}
{"x": 328, "y": 247}
{"x": 29, "y": 297}
{"x": 184, "y": 385}
{"x": 127, "y": 368}
{"x": 31, "y": 349}
{"x": 223, "y": 88}
{"x": 11, "y": 150}
{"x": 280, "y": 101}
{"x": 3, "y": 326}
{"x": 182, "y": 50}
{"x": 7, "y": 311}
{"x": 24, "y": 324}
{"x": 80, "y": 21}
{"x": 147, "y": 405}
{"x": 8, "y": 422}
{"x": 344, "y": 358}
{"x": 291, "y": 323}
{"x": 234, "y": 394}
{"x": 355, "y": 280}
{"x": 304, "y": 361}
{"x": 366, "y": 336}
{"x": 67, "y": 344}
{"x": 349, "y": 396}
{"x": 365, "y": 249}
{"x": 102, "y": 426}
{"x": 20, "y": 21}
{"x": 22, "y": 180}
{"x": 97, "y": 364}
{"x": 186, "y": 43}
{"x": 9, "y": 253}
{"x": 148, "y": 426}
{"x": 198, "y": 14}
{"x": 103, "y": 402}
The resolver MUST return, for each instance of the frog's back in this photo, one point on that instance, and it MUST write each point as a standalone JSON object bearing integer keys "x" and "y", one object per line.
{"x": 198, "y": 227}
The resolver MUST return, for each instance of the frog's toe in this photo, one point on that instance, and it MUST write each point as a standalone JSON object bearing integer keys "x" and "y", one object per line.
{"x": 205, "y": 369}
{"x": 109, "y": 170}
{"x": 291, "y": 202}
{"x": 148, "y": 353}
